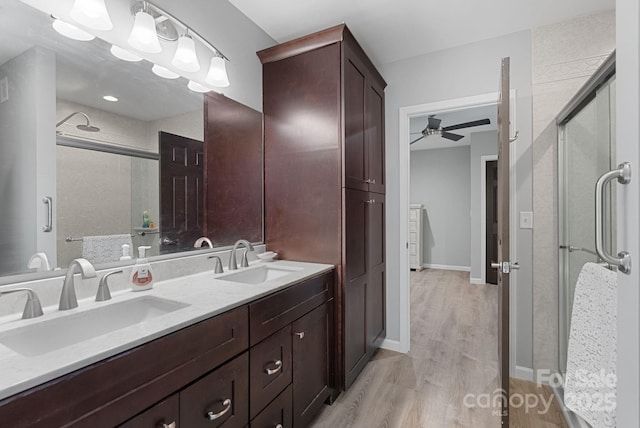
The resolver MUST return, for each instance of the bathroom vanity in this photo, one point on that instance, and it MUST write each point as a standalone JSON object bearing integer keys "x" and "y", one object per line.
{"x": 249, "y": 347}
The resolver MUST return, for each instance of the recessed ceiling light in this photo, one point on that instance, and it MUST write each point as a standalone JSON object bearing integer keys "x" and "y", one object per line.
{"x": 110, "y": 98}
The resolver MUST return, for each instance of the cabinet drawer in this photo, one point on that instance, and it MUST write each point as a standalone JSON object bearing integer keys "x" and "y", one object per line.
{"x": 162, "y": 415}
{"x": 218, "y": 399}
{"x": 273, "y": 312}
{"x": 270, "y": 369}
{"x": 276, "y": 413}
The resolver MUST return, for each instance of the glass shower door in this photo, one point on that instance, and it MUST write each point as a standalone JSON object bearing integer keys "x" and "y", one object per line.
{"x": 586, "y": 151}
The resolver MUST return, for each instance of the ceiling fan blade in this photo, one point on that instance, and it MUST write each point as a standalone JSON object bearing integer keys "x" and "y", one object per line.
{"x": 452, "y": 137}
{"x": 434, "y": 123}
{"x": 467, "y": 125}
{"x": 416, "y": 140}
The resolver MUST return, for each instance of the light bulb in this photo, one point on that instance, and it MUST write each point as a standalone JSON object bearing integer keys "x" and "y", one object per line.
{"x": 92, "y": 14}
{"x": 196, "y": 87}
{"x": 185, "y": 57}
{"x": 71, "y": 31}
{"x": 143, "y": 36}
{"x": 217, "y": 75}
{"x": 124, "y": 54}
{"x": 164, "y": 72}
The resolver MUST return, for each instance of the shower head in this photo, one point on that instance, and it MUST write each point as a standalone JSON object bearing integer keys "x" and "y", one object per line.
{"x": 86, "y": 127}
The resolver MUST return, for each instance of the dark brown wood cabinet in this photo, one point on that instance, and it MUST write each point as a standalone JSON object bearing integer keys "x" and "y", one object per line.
{"x": 324, "y": 140}
{"x": 205, "y": 375}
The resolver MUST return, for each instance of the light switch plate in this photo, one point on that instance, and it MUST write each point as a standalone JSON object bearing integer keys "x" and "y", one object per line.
{"x": 526, "y": 220}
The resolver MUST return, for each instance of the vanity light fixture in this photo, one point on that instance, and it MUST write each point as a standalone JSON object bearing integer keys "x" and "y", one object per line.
{"x": 144, "y": 36}
{"x": 124, "y": 54}
{"x": 71, "y": 31}
{"x": 92, "y": 14}
{"x": 197, "y": 87}
{"x": 110, "y": 98}
{"x": 217, "y": 75}
{"x": 159, "y": 70}
{"x": 185, "y": 57}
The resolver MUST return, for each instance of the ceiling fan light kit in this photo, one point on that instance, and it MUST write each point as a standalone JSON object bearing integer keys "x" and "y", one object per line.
{"x": 433, "y": 128}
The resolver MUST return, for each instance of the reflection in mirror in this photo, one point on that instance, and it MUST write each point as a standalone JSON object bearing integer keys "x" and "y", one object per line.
{"x": 83, "y": 128}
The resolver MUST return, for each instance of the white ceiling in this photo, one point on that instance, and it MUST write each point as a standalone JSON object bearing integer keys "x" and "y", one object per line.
{"x": 417, "y": 124}
{"x": 393, "y": 30}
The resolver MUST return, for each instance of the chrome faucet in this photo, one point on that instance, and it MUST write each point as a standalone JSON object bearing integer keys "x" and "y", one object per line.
{"x": 32, "y": 308}
{"x": 233, "y": 265}
{"x": 201, "y": 241}
{"x": 68, "y": 299}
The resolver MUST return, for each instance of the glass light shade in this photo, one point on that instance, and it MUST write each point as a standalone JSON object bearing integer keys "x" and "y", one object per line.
{"x": 217, "y": 75}
{"x": 124, "y": 54}
{"x": 92, "y": 14}
{"x": 71, "y": 31}
{"x": 143, "y": 36}
{"x": 185, "y": 57}
{"x": 196, "y": 87}
{"x": 158, "y": 70}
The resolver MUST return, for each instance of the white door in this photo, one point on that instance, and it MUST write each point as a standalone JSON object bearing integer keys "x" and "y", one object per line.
{"x": 628, "y": 217}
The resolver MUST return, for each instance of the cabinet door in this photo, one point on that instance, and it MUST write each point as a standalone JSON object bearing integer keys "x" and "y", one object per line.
{"x": 310, "y": 364}
{"x": 374, "y": 109}
{"x": 355, "y": 154}
{"x": 376, "y": 296}
{"x": 218, "y": 399}
{"x": 278, "y": 412}
{"x": 355, "y": 284}
{"x": 270, "y": 369}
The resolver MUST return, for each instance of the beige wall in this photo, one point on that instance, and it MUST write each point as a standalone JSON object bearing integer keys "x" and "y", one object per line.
{"x": 564, "y": 55}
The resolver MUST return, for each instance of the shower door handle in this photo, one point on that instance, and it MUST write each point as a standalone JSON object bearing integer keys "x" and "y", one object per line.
{"x": 623, "y": 259}
{"x": 49, "y": 203}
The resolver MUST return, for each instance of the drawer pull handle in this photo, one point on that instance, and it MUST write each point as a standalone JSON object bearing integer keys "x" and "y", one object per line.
{"x": 300, "y": 334}
{"x": 213, "y": 416}
{"x": 279, "y": 426}
{"x": 171, "y": 425}
{"x": 278, "y": 367}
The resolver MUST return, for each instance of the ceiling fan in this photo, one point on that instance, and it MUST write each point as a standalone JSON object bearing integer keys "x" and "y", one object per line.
{"x": 433, "y": 128}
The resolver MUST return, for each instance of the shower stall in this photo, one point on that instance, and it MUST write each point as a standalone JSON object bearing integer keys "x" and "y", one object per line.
{"x": 586, "y": 150}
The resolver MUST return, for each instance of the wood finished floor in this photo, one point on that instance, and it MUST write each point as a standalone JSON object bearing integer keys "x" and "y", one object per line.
{"x": 453, "y": 353}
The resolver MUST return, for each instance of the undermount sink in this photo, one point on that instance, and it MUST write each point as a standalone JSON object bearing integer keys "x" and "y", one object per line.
{"x": 259, "y": 274}
{"x": 50, "y": 335}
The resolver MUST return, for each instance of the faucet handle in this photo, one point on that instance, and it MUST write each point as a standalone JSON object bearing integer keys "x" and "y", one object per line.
{"x": 218, "y": 267}
{"x": 103, "y": 288}
{"x": 32, "y": 307}
{"x": 245, "y": 258}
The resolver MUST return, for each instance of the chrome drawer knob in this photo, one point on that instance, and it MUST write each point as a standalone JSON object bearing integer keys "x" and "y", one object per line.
{"x": 300, "y": 334}
{"x": 276, "y": 369}
{"x": 213, "y": 416}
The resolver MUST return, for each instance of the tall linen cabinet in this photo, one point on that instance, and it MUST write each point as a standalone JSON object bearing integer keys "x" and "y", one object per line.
{"x": 323, "y": 103}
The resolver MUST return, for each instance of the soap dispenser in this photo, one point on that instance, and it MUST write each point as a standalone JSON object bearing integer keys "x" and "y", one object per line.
{"x": 141, "y": 276}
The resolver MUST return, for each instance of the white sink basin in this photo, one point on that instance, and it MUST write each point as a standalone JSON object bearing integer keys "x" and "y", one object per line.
{"x": 49, "y": 335}
{"x": 259, "y": 274}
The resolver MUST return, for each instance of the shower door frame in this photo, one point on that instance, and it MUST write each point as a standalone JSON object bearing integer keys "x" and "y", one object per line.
{"x": 587, "y": 94}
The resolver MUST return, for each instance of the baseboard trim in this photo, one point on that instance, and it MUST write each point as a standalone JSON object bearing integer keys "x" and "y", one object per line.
{"x": 394, "y": 345}
{"x": 447, "y": 267}
{"x": 523, "y": 373}
{"x": 476, "y": 281}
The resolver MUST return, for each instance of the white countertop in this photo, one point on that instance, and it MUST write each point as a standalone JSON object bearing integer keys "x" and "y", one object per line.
{"x": 205, "y": 294}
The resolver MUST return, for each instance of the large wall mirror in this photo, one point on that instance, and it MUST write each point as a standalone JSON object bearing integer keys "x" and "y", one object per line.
{"x": 82, "y": 173}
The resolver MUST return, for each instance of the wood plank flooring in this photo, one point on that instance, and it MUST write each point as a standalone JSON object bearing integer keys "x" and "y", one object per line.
{"x": 453, "y": 354}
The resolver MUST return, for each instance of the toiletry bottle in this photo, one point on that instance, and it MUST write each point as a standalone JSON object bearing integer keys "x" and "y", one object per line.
{"x": 126, "y": 252}
{"x": 145, "y": 219}
{"x": 141, "y": 276}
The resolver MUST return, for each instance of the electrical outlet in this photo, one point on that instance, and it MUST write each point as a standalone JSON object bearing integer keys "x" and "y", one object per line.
{"x": 4, "y": 89}
{"x": 526, "y": 220}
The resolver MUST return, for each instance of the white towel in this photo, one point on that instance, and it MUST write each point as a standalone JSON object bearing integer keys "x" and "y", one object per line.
{"x": 104, "y": 248}
{"x": 590, "y": 383}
